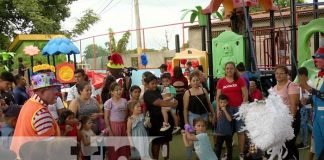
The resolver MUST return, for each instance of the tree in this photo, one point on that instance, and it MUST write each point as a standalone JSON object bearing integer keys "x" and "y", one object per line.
{"x": 100, "y": 51}
{"x": 38, "y": 17}
{"x": 121, "y": 46}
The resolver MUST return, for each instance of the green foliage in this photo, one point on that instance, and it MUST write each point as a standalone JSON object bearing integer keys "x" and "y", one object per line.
{"x": 100, "y": 51}
{"x": 197, "y": 12}
{"x": 121, "y": 46}
{"x": 84, "y": 23}
{"x": 38, "y": 17}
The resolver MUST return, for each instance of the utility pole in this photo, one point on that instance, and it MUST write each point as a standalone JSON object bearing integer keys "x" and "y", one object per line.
{"x": 167, "y": 40}
{"x": 138, "y": 31}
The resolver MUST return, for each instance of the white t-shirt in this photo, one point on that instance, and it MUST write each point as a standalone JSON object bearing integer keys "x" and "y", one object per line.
{"x": 74, "y": 93}
{"x": 54, "y": 107}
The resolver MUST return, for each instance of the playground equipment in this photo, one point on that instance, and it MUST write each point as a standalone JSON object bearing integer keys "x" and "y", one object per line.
{"x": 305, "y": 32}
{"x": 6, "y": 61}
{"x": 228, "y": 46}
{"x": 191, "y": 54}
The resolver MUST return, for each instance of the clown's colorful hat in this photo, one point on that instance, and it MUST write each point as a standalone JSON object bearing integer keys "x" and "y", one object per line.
{"x": 319, "y": 53}
{"x": 43, "y": 77}
{"x": 115, "y": 61}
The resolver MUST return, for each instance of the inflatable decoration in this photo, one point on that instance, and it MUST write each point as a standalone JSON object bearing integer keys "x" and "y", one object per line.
{"x": 268, "y": 124}
{"x": 144, "y": 60}
{"x": 228, "y": 46}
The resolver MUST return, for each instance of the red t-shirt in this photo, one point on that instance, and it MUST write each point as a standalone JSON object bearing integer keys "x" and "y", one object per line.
{"x": 72, "y": 133}
{"x": 232, "y": 90}
{"x": 256, "y": 95}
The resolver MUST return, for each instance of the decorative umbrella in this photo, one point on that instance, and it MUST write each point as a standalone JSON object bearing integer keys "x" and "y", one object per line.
{"x": 60, "y": 45}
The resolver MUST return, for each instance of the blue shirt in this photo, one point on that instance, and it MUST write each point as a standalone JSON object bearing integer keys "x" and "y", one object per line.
{"x": 20, "y": 95}
{"x": 203, "y": 147}
{"x": 224, "y": 126}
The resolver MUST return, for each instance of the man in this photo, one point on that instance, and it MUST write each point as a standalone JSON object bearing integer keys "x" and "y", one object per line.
{"x": 21, "y": 67}
{"x": 317, "y": 91}
{"x": 6, "y": 80}
{"x": 34, "y": 120}
{"x": 80, "y": 76}
{"x": 19, "y": 91}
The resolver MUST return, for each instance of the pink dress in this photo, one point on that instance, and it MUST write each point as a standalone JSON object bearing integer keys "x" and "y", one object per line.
{"x": 118, "y": 125}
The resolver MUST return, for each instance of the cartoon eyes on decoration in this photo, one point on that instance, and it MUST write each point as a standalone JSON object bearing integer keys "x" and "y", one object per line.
{"x": 237, "y": 43}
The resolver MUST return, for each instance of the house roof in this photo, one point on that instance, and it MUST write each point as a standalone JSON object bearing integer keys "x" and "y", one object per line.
{"x": 30, "y": 37}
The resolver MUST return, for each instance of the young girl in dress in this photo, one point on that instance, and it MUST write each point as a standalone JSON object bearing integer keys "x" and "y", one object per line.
{"x": 68, "y": 123}
{"x": 135, "y": 92}
{"x": 115, "y": 119}
{"x": 86, "y": 133}
{"x": 200, "y": 141}
{"x": 136, "y": 132}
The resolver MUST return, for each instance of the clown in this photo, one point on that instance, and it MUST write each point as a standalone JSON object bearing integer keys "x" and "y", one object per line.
{"x": 317, "y": 90}
{"x": 35, "y": 120}
{"x": 116, "y": 68}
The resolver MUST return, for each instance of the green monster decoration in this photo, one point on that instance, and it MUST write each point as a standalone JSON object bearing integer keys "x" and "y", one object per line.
{"x": 228, "y": 46}
{"x": 305, "y": 32}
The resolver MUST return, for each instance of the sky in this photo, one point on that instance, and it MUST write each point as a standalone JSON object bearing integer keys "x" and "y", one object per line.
{"x": 119, "y": 15}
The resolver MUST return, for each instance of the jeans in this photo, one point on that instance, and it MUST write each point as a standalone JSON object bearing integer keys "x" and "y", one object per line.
{"x": 304, "y": 117}
{"x": 219, "y": 143}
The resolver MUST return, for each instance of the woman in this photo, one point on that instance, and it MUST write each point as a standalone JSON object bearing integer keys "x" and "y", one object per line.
{"x": 154, "y": 101}
{"x": 105, "y": 95}
{"x": 180, "y": 83}
{"x": 289, "y": 93}
{"x": 233, "y": 86}
{"x": 86, "y": 105}
{"x": 196, "y": 104}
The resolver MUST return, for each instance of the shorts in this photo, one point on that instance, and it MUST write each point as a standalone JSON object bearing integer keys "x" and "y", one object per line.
{"x": 173, "y": 111}
{"x": 238, "y": 125}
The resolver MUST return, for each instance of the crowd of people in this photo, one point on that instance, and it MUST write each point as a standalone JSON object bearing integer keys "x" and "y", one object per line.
{"x": 160, "y": 108}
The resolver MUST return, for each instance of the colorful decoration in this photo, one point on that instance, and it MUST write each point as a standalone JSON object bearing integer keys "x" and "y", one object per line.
{"x": 31, "y": 50}
{"x": 144, "y": 60}
{"x": 57, "y": 46}
{"x": 268, "y": 124}
{"x": 43, "y": 67}
{"x": 43, "y": 79}
{"x": 65, "y": 72}
{"x": 183, "y": 61}
{"x": 116, "y": 61}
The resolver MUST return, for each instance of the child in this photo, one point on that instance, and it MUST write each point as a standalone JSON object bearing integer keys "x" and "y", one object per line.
{"x": 200, "y": 141}
{"x": 136, "y": 131}
{"x": 8, "y": 127}
{"x": 135, "y": 92}
{"x": 168, "y": 92}
{"x": 115, "y": 119}
{"x": 68, "y": 123}
{"x": 86, "y": 133}
{"x": 224, "y": 128}
{"x": 304, "y": 110}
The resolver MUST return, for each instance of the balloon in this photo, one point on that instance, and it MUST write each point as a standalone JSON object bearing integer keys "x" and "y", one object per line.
{"x": 144, "y": 60}
{"x": 183, "y": 61}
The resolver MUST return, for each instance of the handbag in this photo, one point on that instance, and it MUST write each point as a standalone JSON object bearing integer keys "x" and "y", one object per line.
{"x": 210, "y": 116}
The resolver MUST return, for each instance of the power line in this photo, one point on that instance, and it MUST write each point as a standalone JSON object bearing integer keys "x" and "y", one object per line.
{"x": 105, "y": 7}
{"x": 100, "y": 4}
